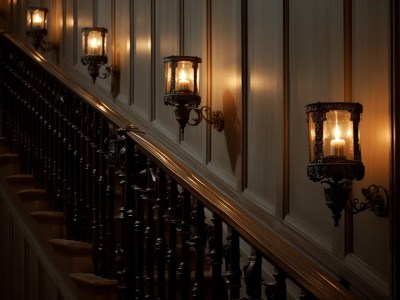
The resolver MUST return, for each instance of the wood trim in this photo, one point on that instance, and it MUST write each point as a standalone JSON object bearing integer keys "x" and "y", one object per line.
{"x": 209, "y": 74}
{"x": 153, "y": 61}
{"x": 181, "y": 9}
{"x": 75, "y": 32}
{"x": 286, "y": 110}
{"x": 95, "y": 11}
{"x": 245, "y": 92}
{"x": 395, "y": 172}
{"x": 131, "y": 53}
{"x": 347, "y": 97}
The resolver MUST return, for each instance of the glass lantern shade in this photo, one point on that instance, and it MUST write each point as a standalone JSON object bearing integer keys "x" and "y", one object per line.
{"x": 94, "y": 45}
{"x": 182, "y": 80}
{"x": 36, "y": 19}
{"x": 333, "y": 134}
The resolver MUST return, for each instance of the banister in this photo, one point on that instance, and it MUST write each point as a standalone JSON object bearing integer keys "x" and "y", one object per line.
{"x": 299, "y": 268}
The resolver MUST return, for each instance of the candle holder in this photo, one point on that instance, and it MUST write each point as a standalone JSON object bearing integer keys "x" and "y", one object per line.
{"x": 182, "y": 91}
{"x": 36, "y": 23}
{"x": 335, "y": 157}
{"x": 94, "y": 53}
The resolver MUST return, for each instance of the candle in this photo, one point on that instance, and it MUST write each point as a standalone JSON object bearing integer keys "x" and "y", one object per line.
{"x": 183, "y": 82}
{"x": 337, "y": 144}
{"x": 37, "y": 20}
{"x": 94, "y": 45}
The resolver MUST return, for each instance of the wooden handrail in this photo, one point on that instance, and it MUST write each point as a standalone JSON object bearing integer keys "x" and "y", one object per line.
{"x": 301, "y": 269}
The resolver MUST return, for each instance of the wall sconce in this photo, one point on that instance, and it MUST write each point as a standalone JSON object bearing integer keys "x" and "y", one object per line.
{"x": 94, "y": 53}
{"x": 36, "y": 22}
{"x": 182, "y": 91}
{"x": 335, "y": 157}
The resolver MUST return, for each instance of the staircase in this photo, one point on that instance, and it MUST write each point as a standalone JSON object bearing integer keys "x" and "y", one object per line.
{"x": 94, "y": 209}
{"x": 72, "y": 259}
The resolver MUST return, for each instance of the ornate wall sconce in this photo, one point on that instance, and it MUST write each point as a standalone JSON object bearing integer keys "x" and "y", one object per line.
{"x": 335, "y": 157}
{"x": 94, "y": 53}
{"x": 36, "y": 27}
{"x": 182, "y": 91}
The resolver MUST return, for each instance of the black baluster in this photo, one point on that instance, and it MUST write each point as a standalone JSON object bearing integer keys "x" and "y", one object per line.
{"x": 252, "y": 276}
{"x": 149, "y": 245}
{"x": 121, "y": 259}
{"x": 232, "y": 272}
{"x": 110, "y": 210}
{"x": 160, "y": 244}
{"x": 102, "y": 132}
{"x": 276, "y": 289}
{"x": 142, "y": 185}
{"x": 171, "y": 257}
{"x": 198, "y": 243}
{"x": 306, "y": 295}
{"x": 184, "y": 232}
{"x": 215, "y": 255}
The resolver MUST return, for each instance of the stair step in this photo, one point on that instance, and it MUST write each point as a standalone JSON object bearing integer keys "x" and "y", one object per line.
{"x": 31, "y": 193}
{"x": 93, "y": 287}
{"x": 48, "y": 215}
{"x": 20, "y": 181}
{"x": 72, "y": 247}
{"x": 9, "y": 164}
{"x": 34, "y": 199}
{"x": 74, "y": 256}
{"x": 92, "y": 280}
{"x": 52, "y": 223}
{"x": 4, "y": 145}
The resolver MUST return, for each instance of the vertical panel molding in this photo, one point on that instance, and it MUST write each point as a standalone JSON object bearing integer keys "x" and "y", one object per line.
{"x": 395, "y": 173}
{"x": 245, "y": 91}
{"x": 347, "y": 96}
{"x": 209, "y": 75}
{"x": 286, "y": 110}
{"x": 153, "y": 61}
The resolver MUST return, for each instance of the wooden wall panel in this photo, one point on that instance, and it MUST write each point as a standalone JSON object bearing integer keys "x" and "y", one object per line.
{"x": 371, "y": 87}
{"x": 242, "y": 44}
{"x": 68, "y": 33}
{"x": 32, "y": 269}
{"x": 316, "y": 74}
{"x": 195, "y": 21}
{"x": 120, "y": 53}
{"x": 50, "y": 291}
{"x": 167, "y": 39}
{"x": 226, "y": 81}
{"x": 103, "y": 17}
{"x": 18, "y": 267}
{"x": 141, "y": 47}
{"x": 265, "y": 102}
{"x": 84, "y": 18}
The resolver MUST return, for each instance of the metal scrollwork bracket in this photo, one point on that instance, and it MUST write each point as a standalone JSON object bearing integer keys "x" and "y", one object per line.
{"x": 337, "y": 198}
{"x": 214, "y": 118}
{"x": 376, "y": 199}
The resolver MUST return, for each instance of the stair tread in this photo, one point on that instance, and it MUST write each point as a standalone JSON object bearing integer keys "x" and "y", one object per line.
{"x": 93, "y": 280}
{"x": 8, "y": 155}
{"x": 31, "y": 192}
{"x": 71, "y": 245}
{"x": 18, "y": 178}
{"x": 48, "y": 215}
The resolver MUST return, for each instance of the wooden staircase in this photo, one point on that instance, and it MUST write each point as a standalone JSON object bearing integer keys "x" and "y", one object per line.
{"x": 72, "y": 258}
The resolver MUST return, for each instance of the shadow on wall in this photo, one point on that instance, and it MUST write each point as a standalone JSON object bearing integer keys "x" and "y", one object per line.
{"x": 232, "y": 128}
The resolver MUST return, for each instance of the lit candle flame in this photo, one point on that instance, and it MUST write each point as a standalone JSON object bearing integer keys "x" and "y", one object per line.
{"x": 336, "y": 132}
{"x": 37, "y": 18}
{"x": 94, "y": 43}
{"x": 182, "y": 75}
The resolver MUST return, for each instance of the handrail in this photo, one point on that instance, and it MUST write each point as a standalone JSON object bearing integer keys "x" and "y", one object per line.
{"x": 286, "y": 257}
